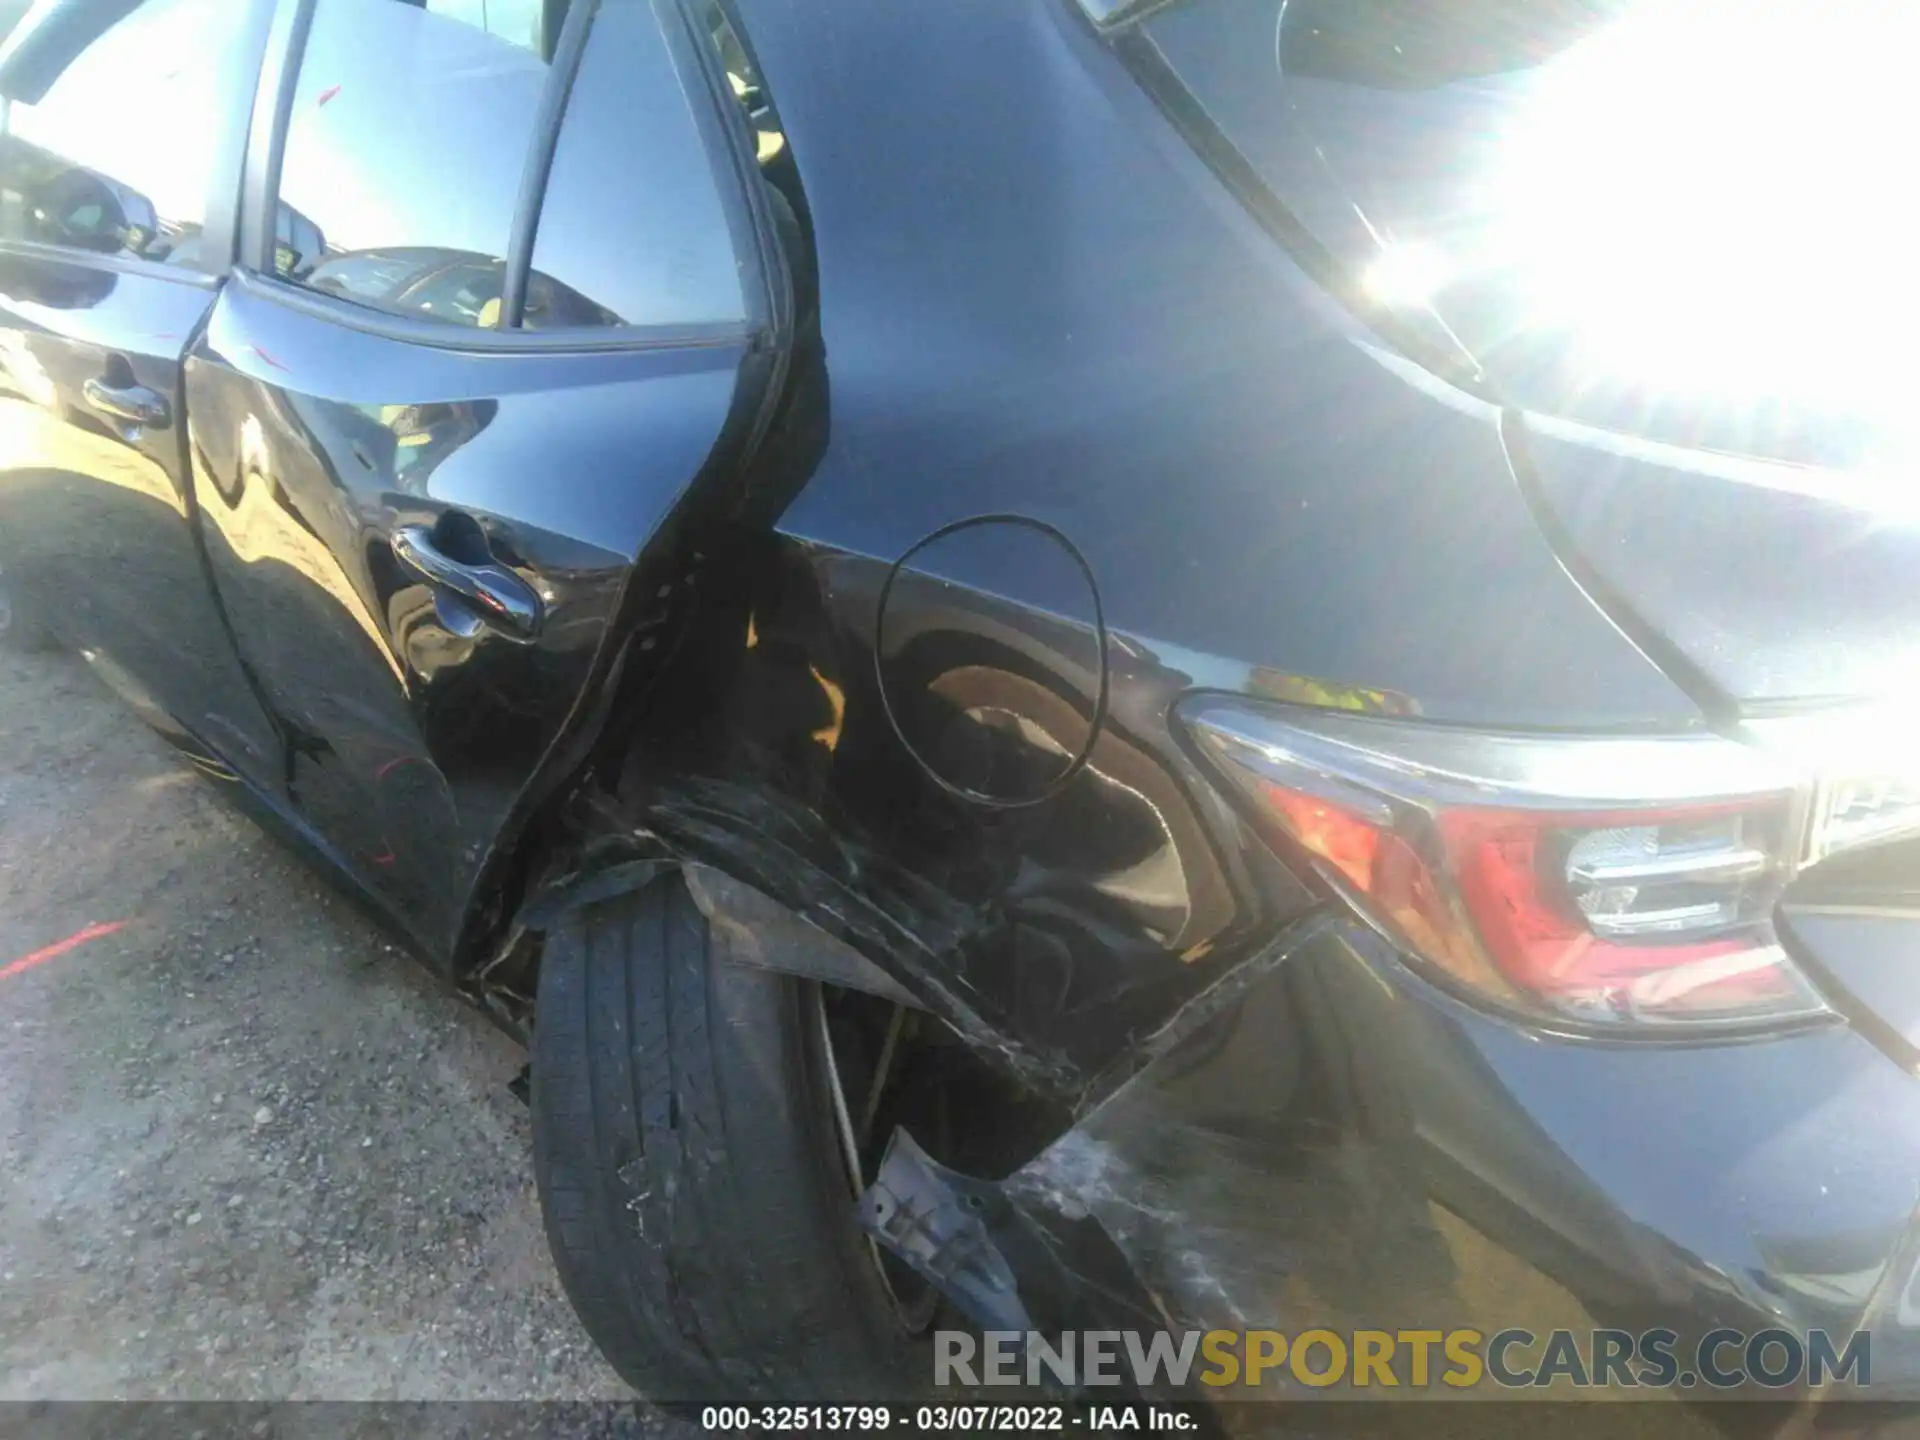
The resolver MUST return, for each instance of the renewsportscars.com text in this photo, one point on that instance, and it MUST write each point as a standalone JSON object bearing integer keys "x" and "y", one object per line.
{"x": 1382, "y": 1360}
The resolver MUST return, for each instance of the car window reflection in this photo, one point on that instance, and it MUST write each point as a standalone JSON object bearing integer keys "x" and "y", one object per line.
{"x": 633, "y": 216}
{"x": 409, "y": 129}
{"x": 459, "y": 287}
{"x": 116, "y": 157}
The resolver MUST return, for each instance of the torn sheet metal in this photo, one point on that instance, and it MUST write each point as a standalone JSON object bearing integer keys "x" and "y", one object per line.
{"x": 1004, "y": 1263}
{"x": 1321, "y": 1152}
{"x": 1225, "y": 1184}
{"x": 750, "y": 927}
{"x": 1136, "y": 1217}
{"x": 934, "y": 1219}
{"x": 590, "y": 886}
{"x": 755, "y": 929}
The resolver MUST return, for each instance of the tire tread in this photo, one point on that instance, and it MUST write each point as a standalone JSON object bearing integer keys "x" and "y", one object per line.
{"x": 684, "y": 1151}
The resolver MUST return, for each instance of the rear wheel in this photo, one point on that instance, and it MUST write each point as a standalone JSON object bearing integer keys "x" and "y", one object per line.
{"x": 693, "y": 1132}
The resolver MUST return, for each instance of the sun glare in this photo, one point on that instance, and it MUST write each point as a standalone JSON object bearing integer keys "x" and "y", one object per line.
{"x": 1408, "y": 274}
{"x": 1718, "y": 195}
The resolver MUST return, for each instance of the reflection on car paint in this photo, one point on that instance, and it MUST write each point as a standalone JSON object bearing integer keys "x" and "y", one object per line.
{"x": 1261, "y": 1109}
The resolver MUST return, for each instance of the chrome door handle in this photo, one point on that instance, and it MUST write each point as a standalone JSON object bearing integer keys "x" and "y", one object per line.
{"x": 131, "y": 404}
{"x": 499, "y": 597}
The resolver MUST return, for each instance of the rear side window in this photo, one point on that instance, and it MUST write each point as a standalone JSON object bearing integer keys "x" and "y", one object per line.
{"x": 120, "y": 154}
{"x": 404, "y": 149}
{"x": 409, "y": 135}
{"x": 534, "y": 24}
{"x": 633, "y": 231}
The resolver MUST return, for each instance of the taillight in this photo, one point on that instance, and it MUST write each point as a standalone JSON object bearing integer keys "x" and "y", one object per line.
{"x": 1611, "y": 881}
{"x": 1864, "y": 767}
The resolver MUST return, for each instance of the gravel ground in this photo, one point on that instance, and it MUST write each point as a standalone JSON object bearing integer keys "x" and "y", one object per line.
{"x": 247, "y": 1150}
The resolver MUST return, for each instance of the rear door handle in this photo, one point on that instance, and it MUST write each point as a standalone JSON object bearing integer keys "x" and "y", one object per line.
{"x": 132, "y": 404}
{"x": 498, "y": 596}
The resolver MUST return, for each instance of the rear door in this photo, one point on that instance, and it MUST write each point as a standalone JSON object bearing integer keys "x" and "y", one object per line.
{"x": 119, "y": 168}
{"x": 501, "y": 328}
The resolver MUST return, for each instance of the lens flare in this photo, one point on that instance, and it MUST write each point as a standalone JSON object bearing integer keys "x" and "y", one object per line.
{"x": 1716, "y": 195}
{"x": 1408, "y": 274}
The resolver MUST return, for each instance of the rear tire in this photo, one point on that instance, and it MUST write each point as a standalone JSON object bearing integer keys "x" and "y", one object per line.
{"x": 685, "y": 1152}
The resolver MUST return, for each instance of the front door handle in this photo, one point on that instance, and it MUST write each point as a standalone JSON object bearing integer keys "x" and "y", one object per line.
{"x": 132, "y": 404}
{"x": 498, "y": 596}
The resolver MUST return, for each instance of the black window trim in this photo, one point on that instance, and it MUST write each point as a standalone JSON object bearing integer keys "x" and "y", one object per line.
{"x": 438, "y": 335}
{"x": 267, "y": 135}
{"x": 766, "y": 279}
{"x": 191, "y": 275}
{"x": 266, "y": 151}
{"x": 567, "y": 54}
{"x": 225, "y": 182}
{"x": 765, "y": 282}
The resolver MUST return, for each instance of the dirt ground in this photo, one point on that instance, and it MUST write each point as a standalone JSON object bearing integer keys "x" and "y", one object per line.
{"x": 247, "y": 1150}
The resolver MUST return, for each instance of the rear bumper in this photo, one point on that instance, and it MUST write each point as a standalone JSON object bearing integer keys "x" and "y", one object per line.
{"x": 1347, "y": 1148}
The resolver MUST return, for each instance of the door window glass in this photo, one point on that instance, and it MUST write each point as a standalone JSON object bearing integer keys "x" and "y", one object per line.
{"x": 521, "y": 21}
{"x": 404, "y": 151}
{"x": 119, "y": 154}
{"x": 632, "y": 231}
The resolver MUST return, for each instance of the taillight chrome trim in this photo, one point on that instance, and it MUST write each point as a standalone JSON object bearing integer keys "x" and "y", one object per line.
{"x": 1451, "y": 765}
{"x": 1457, "y": 845}
{"x": 1734, "y": 865}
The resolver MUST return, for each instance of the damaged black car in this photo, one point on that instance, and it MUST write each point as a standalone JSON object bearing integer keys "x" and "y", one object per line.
{"x": 1149, "y": 665}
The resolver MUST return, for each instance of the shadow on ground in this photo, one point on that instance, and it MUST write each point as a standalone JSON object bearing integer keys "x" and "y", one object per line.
{"x": 247, "y": 1150}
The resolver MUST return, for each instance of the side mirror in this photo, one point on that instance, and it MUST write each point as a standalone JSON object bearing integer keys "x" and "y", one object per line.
{"x": 87, "y": 211}
{"x": 79, "y": 209}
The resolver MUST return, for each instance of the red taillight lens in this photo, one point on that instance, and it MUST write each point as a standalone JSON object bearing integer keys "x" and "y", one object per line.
{"x": 1707, "y": 949}
{"x": 1527, "y": 868}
